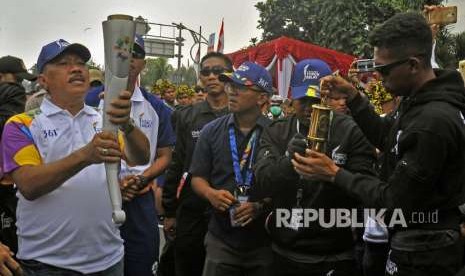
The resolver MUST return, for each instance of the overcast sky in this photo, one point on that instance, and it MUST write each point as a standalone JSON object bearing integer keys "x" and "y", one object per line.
{"x": 27, "y": 25}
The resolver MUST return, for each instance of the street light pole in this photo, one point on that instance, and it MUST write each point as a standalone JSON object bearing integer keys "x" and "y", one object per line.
{"x": 180, "y": 39}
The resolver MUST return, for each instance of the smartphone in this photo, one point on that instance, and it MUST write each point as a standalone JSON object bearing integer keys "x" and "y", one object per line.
{"x": 462, "y": 69}
{"x": 442, "y": 15}
{"x": 365, "y": 65}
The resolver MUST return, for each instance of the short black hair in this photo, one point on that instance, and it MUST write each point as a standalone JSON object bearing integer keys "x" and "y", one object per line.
{"x": 222, "y": 56}
{"x": 405, "y": 34}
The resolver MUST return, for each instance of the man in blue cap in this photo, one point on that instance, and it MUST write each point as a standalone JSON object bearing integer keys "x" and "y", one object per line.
{"x": 55, "y": 155}
{"x": 186, "y": 214}
{"x": 152, "y": 116}
{"x": 309, "y": 249}
{"x": 221, "y": 169}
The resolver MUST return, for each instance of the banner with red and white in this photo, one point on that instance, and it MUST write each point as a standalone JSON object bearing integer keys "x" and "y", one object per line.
{"x": 220, "y": 46}
{"x": 211, "y": 43}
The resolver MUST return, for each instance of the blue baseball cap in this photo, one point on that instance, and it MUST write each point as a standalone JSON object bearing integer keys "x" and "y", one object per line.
{"x": 250, "y": 74}
{"x": 305, "y": 81}
{"x": 56, "y": 48}
{"x": 139, "y": 44}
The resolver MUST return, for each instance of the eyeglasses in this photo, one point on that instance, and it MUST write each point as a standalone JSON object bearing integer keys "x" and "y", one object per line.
{"x": 215, "y": 70}
{"x": 232, "y": 86}
{"x": 138, "y": 55}
{"x": 386, "y": 69}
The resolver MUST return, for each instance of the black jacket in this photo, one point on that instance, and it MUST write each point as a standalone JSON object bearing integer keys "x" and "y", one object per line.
{"x": 276, "y": 176}
{"x": 12, "y": 101}
{"x": 424, "y": 153}
{"x": 189, "y": 121}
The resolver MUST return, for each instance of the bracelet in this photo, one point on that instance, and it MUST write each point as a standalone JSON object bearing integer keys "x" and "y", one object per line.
{"x": 143, "y": 181}
{"x": 128, "y": 127}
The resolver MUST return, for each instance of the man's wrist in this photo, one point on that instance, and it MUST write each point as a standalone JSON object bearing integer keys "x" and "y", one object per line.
{"x": 334, "y": 170}
{"x": 128, "y": 127}
{"x": 143, "y": 180}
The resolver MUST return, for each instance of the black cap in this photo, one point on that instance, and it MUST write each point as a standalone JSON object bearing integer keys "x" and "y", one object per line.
{"x": 14, "y": 65}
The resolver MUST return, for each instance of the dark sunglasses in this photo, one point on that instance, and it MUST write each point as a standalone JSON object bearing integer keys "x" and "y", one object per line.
{"x": 138, "y": 55}
{"x": 215, "y": 70}
{"x": 386, "y": 69}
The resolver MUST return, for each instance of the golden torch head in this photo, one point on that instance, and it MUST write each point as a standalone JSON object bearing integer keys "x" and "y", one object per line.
{"x": 320, "y": 124}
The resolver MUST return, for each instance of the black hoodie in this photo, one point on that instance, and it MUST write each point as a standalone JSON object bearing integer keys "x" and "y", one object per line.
{"x": 424, "y": 153}
{"x": 12, "y": 101}
{"x": 275, "y": 177}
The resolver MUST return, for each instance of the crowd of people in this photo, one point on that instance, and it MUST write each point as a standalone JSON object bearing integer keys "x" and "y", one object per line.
{"x": 227, "y": 168}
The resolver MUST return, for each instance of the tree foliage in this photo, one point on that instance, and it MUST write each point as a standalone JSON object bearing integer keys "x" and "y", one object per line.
{"x": 159, "y": 68}
{"x": 155, "y": 69}
{"x": 342, "y": 25}
{"x": 450, "y": 49}
{"x": 184, "y": 75}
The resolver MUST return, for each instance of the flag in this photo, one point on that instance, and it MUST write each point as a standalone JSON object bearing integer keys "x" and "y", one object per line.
{"x": 211, "y": 43}
{"x": 220, "y": 46}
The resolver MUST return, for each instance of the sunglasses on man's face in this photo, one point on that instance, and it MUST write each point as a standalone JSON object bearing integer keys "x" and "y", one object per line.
{"x": 386, "y": 69}
{"x": 217, "y": 70}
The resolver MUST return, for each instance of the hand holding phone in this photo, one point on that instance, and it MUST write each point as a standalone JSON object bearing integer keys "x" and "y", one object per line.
{"x": 365, "y": 65}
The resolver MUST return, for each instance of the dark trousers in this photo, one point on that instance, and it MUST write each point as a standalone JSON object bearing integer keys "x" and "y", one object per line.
{"x": 35, "y": 268}
{"x": 166, "y": 266}
{"x": 141, "y": 236}
{"x": 223, "y": 260}
{"x": 445, "y": 261}
{"x": 374, "y": 258}
{"x": 189, "y": 250}
{"x": 283, "y": 266}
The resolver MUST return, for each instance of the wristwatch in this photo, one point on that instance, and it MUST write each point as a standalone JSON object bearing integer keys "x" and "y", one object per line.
{"x": 127, "y": 127}
{"x": 143, "y": 181}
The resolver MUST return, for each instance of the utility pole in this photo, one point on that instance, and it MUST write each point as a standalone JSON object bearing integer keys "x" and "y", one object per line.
{"x": 179, "y": 42}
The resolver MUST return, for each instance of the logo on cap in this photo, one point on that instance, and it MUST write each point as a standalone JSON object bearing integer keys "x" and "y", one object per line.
{"x": 310, "y": 74}
{"x": 62, "y": 43}
{"x": 263, "y": 83}
{"x": 243, "y": 67}
{"x": 312, "y": 91}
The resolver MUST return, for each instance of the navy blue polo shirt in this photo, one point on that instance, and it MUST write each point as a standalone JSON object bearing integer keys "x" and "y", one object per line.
{"x": 212, "y": 161}
{"x": 166, "y": 136}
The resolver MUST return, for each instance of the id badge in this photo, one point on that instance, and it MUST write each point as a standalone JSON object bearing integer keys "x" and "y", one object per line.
{"x": 242, "y": 198}
{"x": 232, "y": 210}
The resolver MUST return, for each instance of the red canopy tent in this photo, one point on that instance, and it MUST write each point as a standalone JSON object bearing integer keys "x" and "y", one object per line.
{"x": 280, "y": 55}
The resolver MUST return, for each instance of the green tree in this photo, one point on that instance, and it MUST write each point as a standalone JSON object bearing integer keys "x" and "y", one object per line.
{"x": 155, "y": 69}
{"x": 450, "y": 49}
{"x": 93, "y": 65}
{"x": 341, "y": 25}
{"x": 184, "y": 75}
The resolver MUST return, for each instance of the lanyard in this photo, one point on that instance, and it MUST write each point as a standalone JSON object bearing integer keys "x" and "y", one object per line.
{"x": 243, "y": 173}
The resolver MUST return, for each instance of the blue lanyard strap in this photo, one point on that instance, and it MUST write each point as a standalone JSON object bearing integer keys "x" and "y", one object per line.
{"x": 241, "y": 167}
